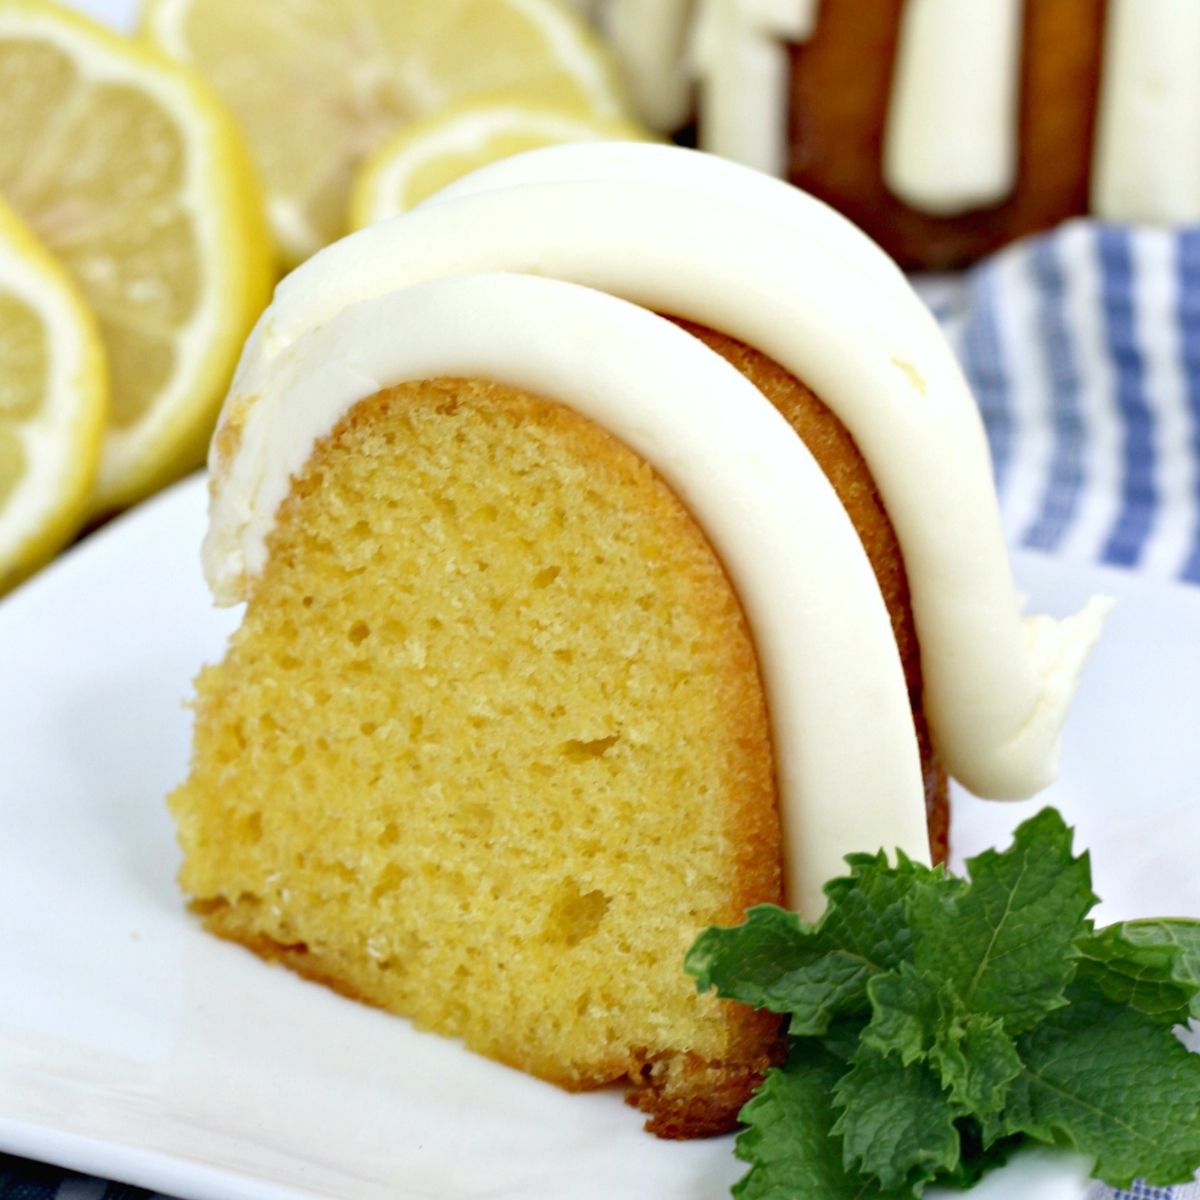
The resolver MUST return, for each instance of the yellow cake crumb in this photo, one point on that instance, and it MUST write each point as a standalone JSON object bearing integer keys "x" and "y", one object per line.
{"x": 491, "y": 748}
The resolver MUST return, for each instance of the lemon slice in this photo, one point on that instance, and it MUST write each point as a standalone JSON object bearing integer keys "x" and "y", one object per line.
{"x": 431, "y": 152}
{"x": 53, "y": 403}
{"x": 317, "y": 84}
{"x": 134, "y": 177}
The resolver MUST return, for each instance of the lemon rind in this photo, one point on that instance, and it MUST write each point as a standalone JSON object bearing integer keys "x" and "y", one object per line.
{"x": 568, "y": 37}
{"x": 378, "y": 188}
{"x": 63, "y": 442}
{"x": 223, "y": 199}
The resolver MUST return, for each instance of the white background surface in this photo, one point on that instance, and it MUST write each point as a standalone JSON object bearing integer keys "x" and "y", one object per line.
{"x": 134, "y": 1045}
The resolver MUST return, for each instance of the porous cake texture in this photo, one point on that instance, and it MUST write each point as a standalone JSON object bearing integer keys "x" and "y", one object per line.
{"x": 490, "y": 747}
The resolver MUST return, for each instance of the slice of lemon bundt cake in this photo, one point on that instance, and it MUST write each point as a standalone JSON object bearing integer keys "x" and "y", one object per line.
{"x": 561, "y": 645}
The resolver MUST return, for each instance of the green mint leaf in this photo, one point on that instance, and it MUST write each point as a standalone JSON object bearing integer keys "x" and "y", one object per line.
{"x": 867, "y": 907}
{"x": 897, "y": 1123}
{"x": 843, "y": 1037}
{"x": 1114, "y": 1083}
{"x": 976, "y": 1060}
{"x": 862, "y": 933}
{"x": 906, "y": 1008}
{"x": 915, "y": 1018}
{"x": 980, "y": 1156}
{"x": 787, "y": 1138}
{"x": 815, "y": 973}
{"x": 1004, "y": 943}
{"x": 755, "y": 962}
{"x": 956, "y": 1018}
{"x": 1152, "y": 965}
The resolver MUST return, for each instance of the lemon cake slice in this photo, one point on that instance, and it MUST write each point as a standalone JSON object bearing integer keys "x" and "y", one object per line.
{"x": 619, "y": 550}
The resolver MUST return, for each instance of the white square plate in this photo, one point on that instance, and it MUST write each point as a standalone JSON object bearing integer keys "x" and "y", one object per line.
{"x": 133, "y": 1045}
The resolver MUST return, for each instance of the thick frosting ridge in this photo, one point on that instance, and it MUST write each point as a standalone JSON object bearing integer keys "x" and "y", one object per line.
{"x": 1147, "y": 164}
{"x": 950, "y": 140}
{"x": 748, "y": 256}
{"x": 952, "y": 124}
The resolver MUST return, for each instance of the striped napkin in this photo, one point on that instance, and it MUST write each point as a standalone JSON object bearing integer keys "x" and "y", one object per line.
{"x": 1083, "y": 347}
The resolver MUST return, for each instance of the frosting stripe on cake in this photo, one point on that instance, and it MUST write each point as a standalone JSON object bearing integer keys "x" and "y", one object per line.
{"x": 740, "y": 59}
{"x": 845, "y": 750}
{"x": 1147, "y": 158}
{"x": 649, "y": 39}
{"x": 758, "y": 196}
{"x": 996, "y": 689}
{"x": 950, "y": 139}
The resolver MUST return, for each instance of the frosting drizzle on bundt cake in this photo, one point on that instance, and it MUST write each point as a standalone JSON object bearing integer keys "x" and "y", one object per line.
{"x": 950, "y": 139}
{"x": 946, "y": 129}
{"x": 786, "y": 275}
{"x": 638, "y": 333}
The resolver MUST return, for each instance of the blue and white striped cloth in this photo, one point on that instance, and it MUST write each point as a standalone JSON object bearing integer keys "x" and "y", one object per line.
{"x": 1083, "y": 347}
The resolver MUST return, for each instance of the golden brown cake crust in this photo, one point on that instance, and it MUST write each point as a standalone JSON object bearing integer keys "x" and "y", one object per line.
{"x": 840, "y": 85}
{"x": 839, "y": 458}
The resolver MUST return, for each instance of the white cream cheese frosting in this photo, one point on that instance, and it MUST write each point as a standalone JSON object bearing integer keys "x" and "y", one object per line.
{"x": 731, "y": 251}
{"x": 808, "y": 290}
{"x": 950, "y": 135}
{"x": 740, "y": 60}
{"x": 952, "y": 123}
{"x": 649, "y": 39}
{"x": 758, "y": 195}
{"x": 1147, "y": 164}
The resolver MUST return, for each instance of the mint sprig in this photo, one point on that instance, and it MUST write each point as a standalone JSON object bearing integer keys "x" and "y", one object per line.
{"x": 896, "y": 1122}
{"x": 934, "y": 1022}
{"x": 1153, "y": 966}
{"x": 788, "y": 1138}
{"x": 1003, "y": 944}
{"x": 815, "y": 973}
{"x": 1116, "y": 1084}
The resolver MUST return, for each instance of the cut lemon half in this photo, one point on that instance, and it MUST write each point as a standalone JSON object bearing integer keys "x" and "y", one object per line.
{"x": 53, "y": 403}
{"x": 431, "y": 152}
{"x": 318, "y": 84}
{"x": 134, "y": 176}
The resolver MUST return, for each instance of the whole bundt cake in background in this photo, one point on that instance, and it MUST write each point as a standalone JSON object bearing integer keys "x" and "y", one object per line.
{"x": 560, "y": 644}
{"x": 943, "y": 129}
